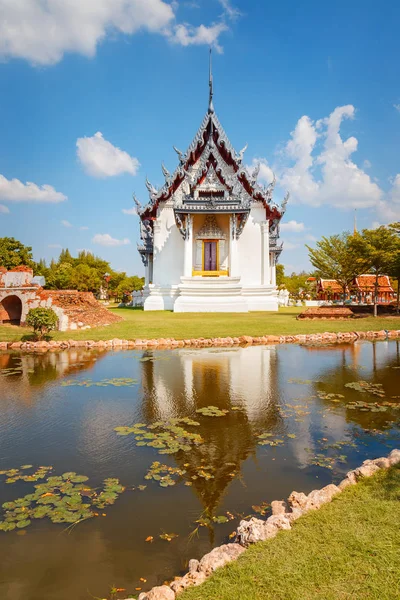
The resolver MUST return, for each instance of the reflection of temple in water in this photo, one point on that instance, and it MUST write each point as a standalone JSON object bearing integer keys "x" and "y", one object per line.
{"x": 22, "y": 374}
{"x": 242, "y": 379}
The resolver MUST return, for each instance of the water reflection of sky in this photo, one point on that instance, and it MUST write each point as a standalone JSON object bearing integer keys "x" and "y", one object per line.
{"x": 266, "y": 389}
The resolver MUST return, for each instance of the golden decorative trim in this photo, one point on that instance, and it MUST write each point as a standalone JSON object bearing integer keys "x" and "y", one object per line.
{"x": 210, "y": 273}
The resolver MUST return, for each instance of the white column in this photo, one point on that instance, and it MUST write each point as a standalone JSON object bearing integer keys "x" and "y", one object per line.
{"x": 233, "y": 249}
{"x": 273, "y": 270}
{"x": 265, "y": 255}
{"x": 147, "y": 271}
{"x": 188, "y": 252}
{"x": 156, "y": 249}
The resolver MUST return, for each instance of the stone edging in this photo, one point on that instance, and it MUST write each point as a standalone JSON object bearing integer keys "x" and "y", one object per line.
{"x": 163, "y": 343}
{"x": 256, "y": 530}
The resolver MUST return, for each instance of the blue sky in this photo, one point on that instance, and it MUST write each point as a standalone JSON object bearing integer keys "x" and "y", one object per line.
{"x": 93, "y": 94}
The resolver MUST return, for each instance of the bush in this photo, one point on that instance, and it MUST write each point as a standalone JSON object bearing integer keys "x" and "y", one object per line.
{"x": 43, "y": 320}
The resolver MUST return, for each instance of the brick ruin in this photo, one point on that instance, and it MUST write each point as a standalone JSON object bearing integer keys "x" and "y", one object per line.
{"x": 20, "y": 291}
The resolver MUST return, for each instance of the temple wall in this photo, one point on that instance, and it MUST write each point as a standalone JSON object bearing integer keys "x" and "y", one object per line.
{"x": 168, "y": 250}
{"x": 249, "y": 248}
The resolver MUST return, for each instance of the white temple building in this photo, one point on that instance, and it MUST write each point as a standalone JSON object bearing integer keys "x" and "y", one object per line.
{"x": 210, "y": 233}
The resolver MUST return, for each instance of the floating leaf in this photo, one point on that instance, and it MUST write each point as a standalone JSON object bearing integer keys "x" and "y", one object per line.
{"x": 212, "y": 411}
{"x": 220, "y": 519}
{"x": 167, "y": 437}
{"x": 168, "y": 537}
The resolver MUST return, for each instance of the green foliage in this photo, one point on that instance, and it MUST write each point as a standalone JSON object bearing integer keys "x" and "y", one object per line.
{"x": 164, "y": 474}
{"x": 62, "y": 499}
{"x": 13, "y": 254}
{"x": 379, "y": 249}
{"x": 43, "y": 320}
{"x": 168, "y": 437}
{"x": 280, "y": 275}
{"x": 297, "y": 285}
{"x": 394, "y": 270}
{"x": 85, "y": 278}
{"x": 115, "y": 382}
{"x": 127, "y": 285}
{"x": 336, "y": 257}
{"x": 86, "y": 273}
{"x": 212, "y": 411}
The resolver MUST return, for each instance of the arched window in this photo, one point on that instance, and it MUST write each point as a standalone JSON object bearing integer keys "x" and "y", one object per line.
{"x": 11, "y": 310}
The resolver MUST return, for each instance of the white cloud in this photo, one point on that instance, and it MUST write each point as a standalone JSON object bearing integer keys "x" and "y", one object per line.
{"x": 367, "y": 164}
{"x": 83, "y": 228}
{"x": 130, "y": 211}
{"x": 66, "y": 223}
{"x": 42, "y": 31}
{"x": 293, "y": 226}
{"x": 389, "y": 209}
{"x": 13, "y": 190}
{"x": 101, "y": 159}
{"x": 4, "y": 209}
{"x": 310, "y": 238}
{"x": 290, "y": 246}
{"x": 105, "y": 239}
{"x": 187, "y": 35}
{"x": 397, "y": 107}
{"x": 230, "y": 11}
{"x": 54, "y": 246}
{"x": 326, "y": 175}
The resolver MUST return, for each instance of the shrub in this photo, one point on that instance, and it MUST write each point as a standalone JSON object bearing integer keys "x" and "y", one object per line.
{"x": 43, "y": 320}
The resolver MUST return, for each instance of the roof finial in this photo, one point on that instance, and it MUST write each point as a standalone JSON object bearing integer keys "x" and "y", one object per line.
{"x": 210, "y": 83}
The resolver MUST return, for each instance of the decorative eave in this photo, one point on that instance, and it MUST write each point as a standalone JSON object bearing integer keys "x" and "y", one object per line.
{"x": 211, "y": 134}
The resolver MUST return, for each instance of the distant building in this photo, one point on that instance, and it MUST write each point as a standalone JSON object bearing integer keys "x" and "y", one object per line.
{"x": 362, "y": 290}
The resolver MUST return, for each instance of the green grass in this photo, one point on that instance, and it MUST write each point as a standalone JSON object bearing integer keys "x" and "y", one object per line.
{"x": 349, "y": 549}
{"x": 146, "y": 325}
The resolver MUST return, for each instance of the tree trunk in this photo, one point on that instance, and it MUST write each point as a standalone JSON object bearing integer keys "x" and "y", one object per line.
{"x": 376, "y": 295}
{"x": 344, "y": 293}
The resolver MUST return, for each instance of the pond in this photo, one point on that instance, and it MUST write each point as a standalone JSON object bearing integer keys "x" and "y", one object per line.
{"x": 285, "y": 418}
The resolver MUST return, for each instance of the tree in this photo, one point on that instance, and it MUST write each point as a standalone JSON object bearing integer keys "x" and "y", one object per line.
{"x": 379, "y": 249}
{"x": 280, "y": 274}
{"x": 43, "y": 320}
{"x": 394, "y": 270}
{"x": 336, "y": 258}
{"x": 85, "y": 279}
{"x": 127, "y": 286}
{"x": 61, "y": 279}
{"x": 13, "y": 254}
{"x": 297, "y": 285}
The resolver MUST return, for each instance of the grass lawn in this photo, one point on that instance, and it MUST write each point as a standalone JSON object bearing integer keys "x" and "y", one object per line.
{"x": 146, "y": 325}
{"x": 349, "y": 549}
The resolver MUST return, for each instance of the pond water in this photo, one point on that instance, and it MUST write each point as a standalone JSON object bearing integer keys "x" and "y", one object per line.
{"x": 290, "y": 423}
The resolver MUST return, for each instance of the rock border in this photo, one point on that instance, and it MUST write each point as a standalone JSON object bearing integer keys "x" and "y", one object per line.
{"x": 168, "y": 343}
{"x": 256, "y": 530}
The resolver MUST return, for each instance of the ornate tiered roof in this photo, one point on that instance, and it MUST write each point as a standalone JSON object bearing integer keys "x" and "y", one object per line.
{"x": 211, "y": 152}
{"x": 211, "y": 178}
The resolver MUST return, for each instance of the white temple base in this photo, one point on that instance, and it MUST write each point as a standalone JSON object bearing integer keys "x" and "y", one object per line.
{"x": 209, "y": 294}
{"x": 261, "y": 297}
{"x": 160, "y": 298}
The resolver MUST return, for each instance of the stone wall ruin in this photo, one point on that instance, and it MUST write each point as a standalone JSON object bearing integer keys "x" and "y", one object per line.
{"x": 19, "y": 292}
